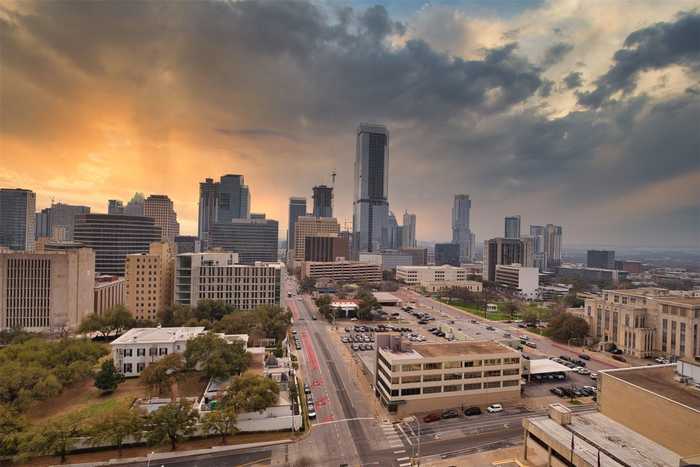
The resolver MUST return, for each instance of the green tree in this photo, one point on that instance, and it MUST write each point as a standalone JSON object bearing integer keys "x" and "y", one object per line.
{"x": 511, "y": 308}
{"x": 12, "y": 427}
{"x": 172, "y": 423}
{"x": 324, "y": 306}
{"x": 367, "y": 304}
{"x": 251, "y": 393}
{"x": 115, "y": 427}
{"x": 273, "y": 321}
{"x": 116, "y": 320}
{"x": 530, "y": 317}
{"x": 566, "y": 326}
{"x": 212, "y": 310}
{"x": 176, "y": 315}
{"x": 158, "y": 377}
{"x": 239, "y": 322}
{"x": 216, "y": 357}
{"x": 221, "y": 422}
{"x": 108, "y": 378}
{"x": 55, "y": 438}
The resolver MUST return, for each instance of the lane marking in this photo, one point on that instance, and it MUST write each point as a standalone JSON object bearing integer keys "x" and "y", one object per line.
{"x": 400, "y": 451}
{"x": 401, "y": 459}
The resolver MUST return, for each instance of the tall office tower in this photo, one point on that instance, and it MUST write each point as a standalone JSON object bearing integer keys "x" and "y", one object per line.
{"x": 113, "y": 237}
{"x": 254, "y": 239}
{"x": 233, "y": 199}
{"x": 408, "y": 233}
{"x": 58, "y": 221}
{"x": 371, "y": 197}
{"x": 42, "y": 228}
{"x": 135, "y": 206}
{"x": 500, "y": 251}
{"x": 309, "y": 226}
{"x": 461, "y": 233}
{"x": 46, "y": 291}
{"x": 552, "y": 246}
{"x": 149, "y": 281}
{"x": 537, "y": 235}
{"x": 207, "y": 207}
{"x": 528, "y": 259}
{"x": 604, "y": 259}
{"x": 347, "y": 237}
{"x": 512, "y": 227}
{"x": 297, "y": 209}
{"x": 323, "y": 201}
{"x": 187, "y": 244}
{"x": 160, "y": 208}
{"x": 115, "y": 207}
{"x": 325, "y": 247}
{"x": 393, "y": 236}
{"x": 17, "y": 218}
{"x": 447, "y": 253}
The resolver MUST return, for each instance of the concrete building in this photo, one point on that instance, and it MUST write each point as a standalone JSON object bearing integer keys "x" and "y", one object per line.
{"x": 421, "y": 377}
{"x": 519, "y": 278}
{"x": 387, "y": 259}
{"x": 325, "y": 247}
{"x": 297, "y": 209}
{"x": 149, "y": 281}
{"x": 323, "y": 201}
{"x": 435, "y": 278}
{"x": 601, "y": 259}
{"x": 254, "y": 239}
{"x": 419, "y": 256}
{"x": 115, "y": 207}
{"x": 112, "y": 237}
{"x": 46, "y": 291}
{"x": 221, "y": 202}
{"x": 501, "y": 251}
{"x": 135, "y": 206}
{"x": 371, "y": 189}
{"x": 447, "y": 253}
{"x": 218, "y": 276}
{"x": 310, "y": 226}
{"x": 537, "y": 235}
{"x": 343, "y": 271}
{"x": 408, "y": 232}
{"x": 592, "y": 274}
{"x": 347, "y": 236}
{"x": 512, "y": 227}
{"x": 160, "y": 208}
{"x": 58, "y": 221}
{"x": 633, "y": 267}
{"x": 552, "y": 246}
{"x": 17, "y": 219}
{"x": 461, "y": 233}
{"x": 109, "y": 292}
{"x": 528, "y": 252}
{"x": 187, "y": 244}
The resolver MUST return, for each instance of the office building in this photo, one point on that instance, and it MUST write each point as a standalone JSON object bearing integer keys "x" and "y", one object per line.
{"x": 221, "y": 202}
{"x": 394, "y": 233}
{"x": 524, "y": 280}
{"x": 529, "y": 257}
{"x": 310, "y": 226}
{"x": 135, "y": 206}
{"x": 160, "y": 208}
{"x": 419, "y": 256}
{"x": 323, "y": 201}
{"x": 297, "y": 209}
{"x": 387, "y": 259}
{"x": 149, "y": 281}
{"x": 408, "y": 231}
{"x": 428, "y": 377}
{"x": 17, "y": 219}
{"x": 187, "y": 244}
{"x": 342, "y": 271}
{"x": 603, "y": 259}
{"x": 447, "y": 253}
{"x": 633, "y": 267}
{"x": 435, "y": 278}
{"x": 552, "y": 246}
{"x": 218, "y": 276}
{"x": 592, "y": 274}
{"x": 58, "y": 221}
{"x": 49, "y": 291}
{"x": 512, "y": 227}
{"x": 109, "y": 292}
{"x": 115, "y": 207}
{"x": 347, "y": 237}
{"x": 208, "y": 191}
{"x": 41, "y": 224}
{"x": 500, "y": 251}
{"x": 254, "y": 239}
{"x": 325, "y": 247}
{"x": 371, "y": 187}
{"x": 461, "y": 233}
{"x": 537, "y": 235}
{"x": 112, "y": 237}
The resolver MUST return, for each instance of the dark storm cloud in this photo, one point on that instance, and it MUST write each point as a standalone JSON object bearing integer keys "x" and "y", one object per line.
{"x": 650, "y": 48}
{"x": 256, "y": 133}
{"x": 573, "y": 80}
{"x": 556, "y": 53}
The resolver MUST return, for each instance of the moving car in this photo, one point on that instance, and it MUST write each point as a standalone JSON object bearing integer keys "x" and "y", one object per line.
{"x": 619, "y": 358}
{"x": 472, "y": 411}
{"x": 494, "y": 408}
{"x": 431, "y": 417}
{"x": 452, "y": 413}
{"x": 584, "y": 356}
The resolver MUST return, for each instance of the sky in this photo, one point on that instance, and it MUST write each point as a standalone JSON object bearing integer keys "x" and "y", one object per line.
{"x": 578, "y": 113}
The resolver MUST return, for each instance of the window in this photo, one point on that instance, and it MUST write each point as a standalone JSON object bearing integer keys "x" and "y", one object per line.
{"x": 472, "y": 386}
{"x": 410, "y": 391}
{"x": 432, "y": 389}
{"x": 432, "y": 366}
{"x": 449, "y": 365}
{"x": 453, "y": 387}
{"x": 673, "y": 337}
{"x": 664, "y": 335}
{"x": 410, "y": 379}
{"x": 511, "y": 361}
{"x": 427, "y": 378}
{"x": 682, "y": 339}
{"x": 140, "y": 367}
{"x": 141, "y": 352}
{"x": 452, "y": 376}
{"x": 492, "y": 384}
{"x": 510, "y": 372}
{"x": 492, "y": 362}
{"x": 472, "y": 363}
{"x": 411, "y": 367}
{"x": 511, "y": 383}
{"x": 163, "y": 351}
{"x": 128, "y": 368}
{"x": 472, "y": 374}
{"x": 152, "y": 351}
{"x": 491, "y": 374}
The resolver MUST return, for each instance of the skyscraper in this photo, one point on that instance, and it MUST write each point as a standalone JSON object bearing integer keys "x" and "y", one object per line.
{"x": 221, "y": 202}
{"x": 447, "y": 253}
{"x": 115, "y": 207}
{"x": 537, "y": 235}
{"x": 160, "y": 208}
{"x": 254, "y": 239}
{"x": 297, "y": 209}
{"x": 17, "y": 218}
{"x": 371, "y": 201}
{"x": 408, "y": 233}
{"x": 207, "y": 207}
{"x": 310, "y": 226}
{"x": 461, "y": 233}
{"x": 512, "y": 227}
{"x": 135, "y": 207}
{"x": 393, "y": 235}
{"x": 58, "y": 219}
{"x": 552, "y": 246}
{"x": 323, "y": 201}
{"x": 501, "y": 251}
{"x": 604, "y": 259}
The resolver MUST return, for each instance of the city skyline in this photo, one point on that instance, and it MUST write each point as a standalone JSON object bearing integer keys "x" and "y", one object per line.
{"x": 557, "y": 87}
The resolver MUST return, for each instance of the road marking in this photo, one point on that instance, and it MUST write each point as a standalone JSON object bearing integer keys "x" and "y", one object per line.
{"x": 345, "y": 420}
{"x": 400, "y": 451}
{"x": 405, "y": 464}
{"x": 401, "y": 459}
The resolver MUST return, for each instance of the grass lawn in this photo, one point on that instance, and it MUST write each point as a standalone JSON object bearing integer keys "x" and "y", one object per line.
{"x": 499, "y": 315}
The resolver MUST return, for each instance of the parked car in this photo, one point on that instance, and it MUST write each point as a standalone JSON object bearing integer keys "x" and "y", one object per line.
{"x": 615, "y": 351}
{"x": 619, "y": 358}
{"x": 557, "y": 392}
{"x": 490, "y": 328}
{"x": 312, "y": 412}
{"x": 593, "y": 375}
{"x": 431, "y": 417}
{"x": 452, "y": 413}
{"x": 584, "y": 356}
{"x": 472, "y": 411}
{"x": 531, "y": 344}
{"x": 307, "y": 389}
{"x": 494, "y": 408}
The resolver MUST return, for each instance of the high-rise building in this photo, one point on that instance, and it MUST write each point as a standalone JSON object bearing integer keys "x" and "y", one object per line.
{"x": 501, "y": 251}
{"x": 207, "y": 207}
{"x": 115, "y": 207}
{"x": 371, "y": 197}
{"x": 41, "y": 224}
{"x": 604, "y": 259}
{"x": 187, "y": 244}
{"x": 323, "y": 201}
{"x": 394, "y": 233}
{"x": 408, "y": 233}
{"x": 58, "y": 221}
{"x": 135, "y": 206}
{"x": 17, "y": 218}
{"x": 254, "y": 239}
{"x": 419, "y": 256}
{"x": 309, "y": 226}
{"x": 461, "y": 233}
{"x": 160, "y": 208}
{"x": 447, "y": 253}
{"x": 512, "y": 227}
{"x": 46, "y": 291}
{"x": 221, "y": 202}
{"x": 149, "y": 281}
{"x": 297, "y": 209}
{"x": 113, "y": 237}
{"x": 552, "y": 246}
{"x": 325, "y": 247}
{"x": 537, "y": 235}
{"x": 528, "y": 260}
{"x": 347, "y": 236}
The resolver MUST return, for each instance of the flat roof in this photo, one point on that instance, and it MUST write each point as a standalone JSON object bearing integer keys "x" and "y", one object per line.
{"x": 681, "y": 300}
{"x": 544, "y": 365}
{"x": 454, "y": 349}
{"x": 385, "y": 297}
{"x": 659, "y": 379}
{"x": 157, "y": 335}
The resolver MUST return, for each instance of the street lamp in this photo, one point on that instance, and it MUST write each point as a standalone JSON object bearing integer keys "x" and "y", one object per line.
{"x": 148, "y": 458}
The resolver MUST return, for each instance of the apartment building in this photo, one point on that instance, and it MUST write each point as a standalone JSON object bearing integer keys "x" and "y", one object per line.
{"x": 310, "y": 226}
{"x": 435, "y": 278}
{"x": 344, "y": 271}
{"x": 526, "y": 281}
{"x": 421, "y": 377}
{"x": 646, "y": 322}
{"x": 218, "y": 276}
{"x": 110, "y": 291}
{"x": 149, "y": 281}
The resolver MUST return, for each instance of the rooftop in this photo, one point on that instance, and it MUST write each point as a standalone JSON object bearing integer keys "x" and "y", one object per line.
{"x": 158, "y": 335}
{"x": 452, "y": 349}
{"x": 680, "y": 300}
{"x": 659, "y": 380}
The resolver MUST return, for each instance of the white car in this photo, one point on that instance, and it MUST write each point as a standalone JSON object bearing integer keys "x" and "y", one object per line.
{"x": 593, "y": 375}
{"x": 494, "y": 408}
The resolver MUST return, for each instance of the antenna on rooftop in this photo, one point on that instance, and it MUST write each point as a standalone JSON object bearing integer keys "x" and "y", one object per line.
{"x": 333, "y": 179}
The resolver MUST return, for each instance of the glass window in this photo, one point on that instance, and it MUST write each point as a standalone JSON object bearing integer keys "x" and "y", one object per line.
{"x": 492, "y": 362}
{"x": 472, "y": 363}
{"x": 453, "y": 365}
{"x": 511, "y": 382}
{"x": 452, "y": 376}
{"x": 472, "y": 386}
{"x": 491, "y": 374}
{"x": 472, "y": 374}
{"x": 140, "y": 367}
{"x": 127, "y": 368}
{"x": 410, "y": 379}
{"x": 140, "y": 352}
{"x": 492, "y": 384}
{"x": 410, "y": 391}
{"x": 432, "y": 366}
{"x": 453, "y": 387}
{"x": 411, "y": 367}
{"x": 511, "y": 371}
{"x": 511, "y": 361}
{"x": 432, "y": 389}
{"x": 427, "y": 378}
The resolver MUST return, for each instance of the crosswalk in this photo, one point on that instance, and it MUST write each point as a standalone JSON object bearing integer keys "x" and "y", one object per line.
{"x": 395, "y": 438}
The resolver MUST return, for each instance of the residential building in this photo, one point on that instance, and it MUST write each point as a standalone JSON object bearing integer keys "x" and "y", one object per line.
{"x": 221, "y": 202}
{"x": 112, "y": 237}
{"x": 601, "y": 259}
{"x": 552, "y": 246}
{"x": 447, "y": 253}
{"x": 461, "y": 233}
{"x": 323, "y": 201}
{"x": 591, "y": 274}
{"x": 187, "y": 244}
{"x": 435, "y": 278}
{"x": 325, "y": 247}
{"x": 512, "y": 227}
{"x": 149, "y": 281}
{"x": 160, "y": 208}
{"x": 371, "y": 188}
{"x": 501, "y": 251}
{"x": 388, "y": 259}
{"x": 48, "y": 291}
{"x": 422, "y": 377}
{"x": 17, "y": 219}
{"x": 633, "y": 267}
{"x": 522, "y": 279}
{"x": 109, "y": 292}
{"x": 419, "y": 256}
{"x": 310, "y": 226}
{"x": 408, "y": 232}
{"x": 135, "y": 206}
{"x": 297, "y": 209}
{"x": 115, "y": 207}
{"x": 254, "y": 239}
{"x": 343, "y": 271}
{"x": 218, "y": 276}
{"x": 58, "y": 221}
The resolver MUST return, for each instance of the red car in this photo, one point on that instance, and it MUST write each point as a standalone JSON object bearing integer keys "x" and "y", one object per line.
{"x": 431, "y": 417}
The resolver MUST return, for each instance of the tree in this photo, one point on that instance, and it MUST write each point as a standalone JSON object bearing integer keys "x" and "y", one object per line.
{"x": 239, "y": 322}
{"x": 116, "y": 320}
{"x": 176, "y": 315}
{"x": 108, "y": 378}
{"x": 55, "y": 438}
{"x": 159, "y": 376}
{"x": 221, "y": 422}
{"x": 530, "y": 317}
{"x": 216, "y": 357}
{"x": 251, "y": 393}
{"x": 12, "y": 427}
{"x": 273, "y": 321}
{"x": 212, "y": 310}
{"x": 511, "y": 308}
{"x": 367, "y": 304}
{"x": 565, "y": 326}
{"x": 324, "y": 306}
{"x": 172, "y": 423}
{"x": 117, "y": 426}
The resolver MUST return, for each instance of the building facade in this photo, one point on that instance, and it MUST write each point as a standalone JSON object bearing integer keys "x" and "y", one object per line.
{"x": 110, "y": 291}
{"x": 552, "y": 246}
{"x": 160, "y": 208}
{"x": 501, "y": 251}
{"x": 187, "y": 244}
{"x": 447, "y": 253}
{"x": 520, "y": 278}
{"x": 149, "y": 281}
{"x": 343, "y": 271}
{"x": 408, "y": 232}
{"x": 310, "y": 226}
{"x": 323, "y": 201}
{"x": 419, "y": 256}
{"x": 388, "y": 259}
{"x": 135, "y": 206}
{"x": 115, "y": 207}
{"x": 297, "y": 209}
{"x": 325, "y": 247}
{"x": 221, "y": 202}
{"x": 17, "y": 219}
{"x": 435, "y": 278}
{"x": 512, "y": 227}
{"x": 58, "y": 221}
{"x": 613, "y": 276}
{"x": 461, "y": 232}
{"x": 254, "y": 239}
{"x": 603, "y": 259}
